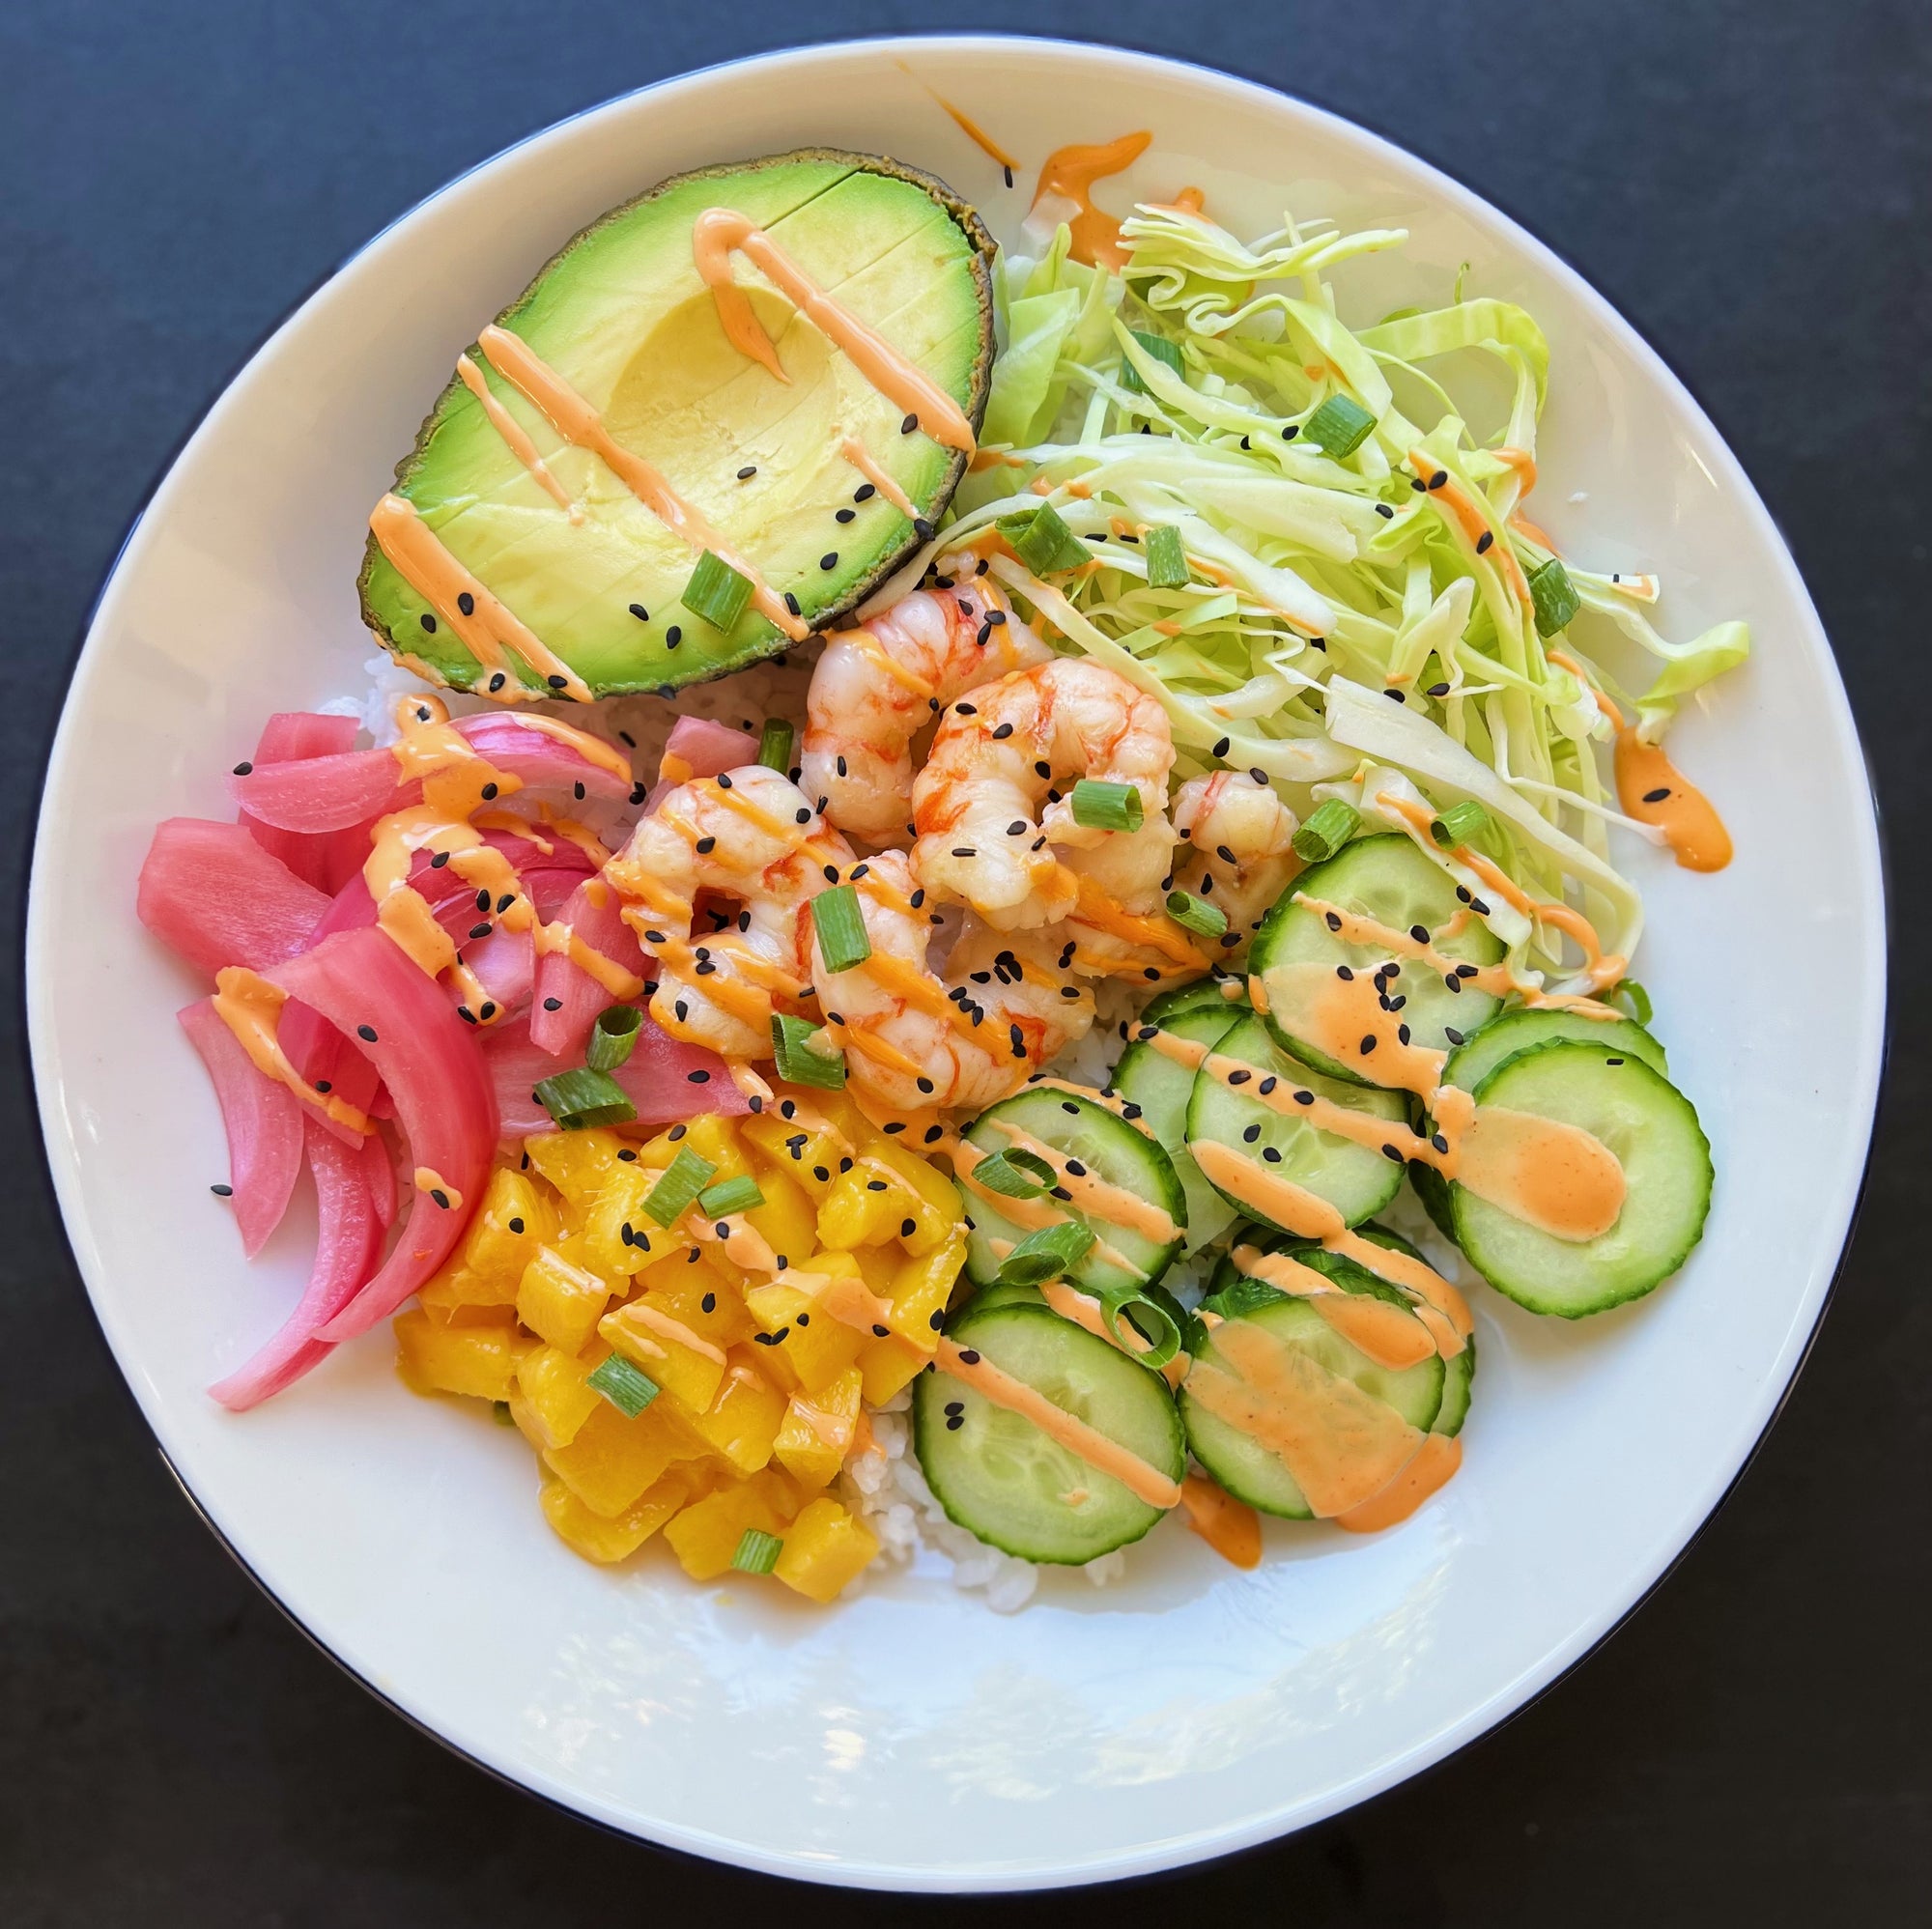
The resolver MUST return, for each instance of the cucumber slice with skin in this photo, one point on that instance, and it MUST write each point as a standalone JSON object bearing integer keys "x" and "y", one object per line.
{"x": 1161, "y": 1086}
{"x": 1457, "y": 1378}
{"x": 1385, "y": 878}
{"x": 1111, "y": 1150}
{"x": 1652, "y": 1129}
{"x": 1357, "y": 1180}
{"x": 1002, "y": 1478}
{"x": 1502, "y": 1038}
{"x": 1251, "y": 1472}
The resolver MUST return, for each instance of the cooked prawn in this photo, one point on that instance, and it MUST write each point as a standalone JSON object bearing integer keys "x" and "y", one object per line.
{"x": 877, "y": 685}
{"x": 747, "y": 836}
{"x": 1021, "y": 741}
{"x": 915, "y": 1037}
{"x": 1240, "y": 855}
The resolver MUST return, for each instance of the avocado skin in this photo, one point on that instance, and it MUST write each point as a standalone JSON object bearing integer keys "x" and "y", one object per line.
{"x": 983, "y": 252}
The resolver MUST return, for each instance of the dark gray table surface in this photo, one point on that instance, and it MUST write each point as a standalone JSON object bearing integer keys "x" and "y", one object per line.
{"x": 1749, "y": 184}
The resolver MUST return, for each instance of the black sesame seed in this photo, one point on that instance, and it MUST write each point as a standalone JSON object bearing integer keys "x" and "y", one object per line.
{"x": 698, "y": 1077}
{"x": 1368, "y": 1044}
{"x": 1267, "y": 1085}
{"x": 953, "y": 1420}
{"x": 222, "y": 1191}
{"x": 441, "y": 1198}
{"x": 964, "y": 851}
{"x": 1396, "y": 696}
{"x": 429, "y": 622}
{"x": 1453, "y": 1037}
{"x": 844, "y": 515}
{"x": 1272, "y": 1156}
{"x": 1436, "y": 480}
{"x": 243, "y": 769}
{"x": 791, "y": 603}
{"x": 1345, "y": 974}
{"x": 1439, "y": 690}
{"x": 1383, "y": 510}
{"x": 481, "y": 930}
{"x": 1334, "y": 919}
{"x": 1485, "y": 542}
{"x": 1240, "y": 1077}
{"x": 937, "y": 1321}
{"x": 1465, "y": 971}
{"x": 922, "y": 528}
{"x": 498, "y": 681}
{"x": 1657, "y": 796}
{"x": 1003, "y": 732}
{"x": 910, "y": 423}
{"x": 1221, "y": 748}
{"x": 488, "y": 792}
{"x": 557, "y": 682}
{"x": 366, "y": 1033}
{"x": 1437, "y": 1139}
{"x": 705, "y": 846}
{"x": 1251, "y": 1133}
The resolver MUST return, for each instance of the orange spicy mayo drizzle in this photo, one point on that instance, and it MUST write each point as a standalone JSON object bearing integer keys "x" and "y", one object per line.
{"x": 1387, "y": 1334}
{"x": 1341, "y": 1444}
{"x": 485, "y": 626}
{"x": 1084, "y": 1310}
{"x": 1070, "y": 174}
{"x": 576, "y": 422}
{"x": 1108, "y": 1456}
{"x": 862, "y": 459}
{"x": 1471, "y": 521}
{"x": 1229, "y": 1526}
{"x": 512, "y": 431}
{"x": 429, "y": 1180}
{"x": 1033, "y": 1215}
{"x": 718, "y": 233}
{"x": 1434, "y": 1465}
{"x": 1114, "y": 1204}
{"x": 251, "y": 1008}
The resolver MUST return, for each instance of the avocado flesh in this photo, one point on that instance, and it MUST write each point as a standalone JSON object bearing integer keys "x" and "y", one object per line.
{"x": 622, "y": 313}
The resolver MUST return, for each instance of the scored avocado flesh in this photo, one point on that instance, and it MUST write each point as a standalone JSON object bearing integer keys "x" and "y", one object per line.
{"x": 622, "y": 313}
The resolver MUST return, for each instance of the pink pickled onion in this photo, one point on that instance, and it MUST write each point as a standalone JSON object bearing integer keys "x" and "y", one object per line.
{"x": 593, "y": 915}
{"x": 703, "y": 748}
{"x": 293, "y": 736}
{"x": 211, "y": 893}
{"x": 263, "y": 1122}
{"x": 347, "y": 1245}
{"x": 365, "y": 985}
{"x": 657, "y": 1078}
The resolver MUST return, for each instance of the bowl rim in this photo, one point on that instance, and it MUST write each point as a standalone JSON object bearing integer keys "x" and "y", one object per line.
{"x": 1202, "y": 1845}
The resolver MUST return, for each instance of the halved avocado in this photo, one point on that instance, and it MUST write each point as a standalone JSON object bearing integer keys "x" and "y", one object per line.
{"x": 622, "y": 315}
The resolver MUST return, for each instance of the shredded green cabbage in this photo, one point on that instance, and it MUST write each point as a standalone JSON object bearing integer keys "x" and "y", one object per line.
{"x": 1357, "y": 627}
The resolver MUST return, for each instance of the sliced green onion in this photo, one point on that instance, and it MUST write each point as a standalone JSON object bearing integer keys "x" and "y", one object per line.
{"x": 775, "y": 744}
{"x": 613, "y": 1037}
{"x": 1460, "y": 824}
{"x": 1326, "y": 830}
{"x": 1196, "y": 914}
{"x": 628, "y": 1388}
{"x": 730, "y": 1195}
{"x": 500, "y": 1412}
{"x": 717, "y": 593}
{"x": 1339, "y": 427}
{"x": 1554, "y": 596}
{"x": 1154, "y": 1322}
{"x": 758, "y": 1551}
{"x": 575, "y": 1099}
{"x": 799, "y": 1051}
{"x": 1166, "y": 558}
{"x": 1046, "y": 1253}
{"x": 1630, "y": 997}
{"x": 1160, "y": 348}
{"x": 673, "y": 1195}
{"x": 1041, "y": 540}
{"x": 1107, "y": 806}
{"x": 1019, "y": 1175}
{"x": 841, "y": 927}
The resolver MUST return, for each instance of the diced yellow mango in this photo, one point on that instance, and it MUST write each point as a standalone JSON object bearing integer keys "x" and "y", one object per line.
{"x": 921, "y": 1287}
{"x": 824, "y": 1549}
{"x": 705, "y": 1535}
{"x": 476, "y": 1360}
{"x": 865, "y": 1208}
{"x": 714, "y": 1137}
{"x": 553, "y": 1399}
{"x": 816, "y": 1349}
{"x": 559, "y": 1300}
{"x": 818, "y": 1431}
{"x": 444, "y": 1312}
{"x": 619, "y": 1206}
{"x": 888, "y": 1365}
{"x": 575, "y": 1163}
{"x": 744, "y": 1420}
{"x": 810, "y": 1159}
{"x": 787, "y": 1220}
{"x": 599, "y": 1539}
{"x": 687, "y": 1366}
{"x": 703, "y": 1294}
{"x": 515, "y": 1216}
{"x": 933, "y": 1208}
{"x": 612, "y": 1460}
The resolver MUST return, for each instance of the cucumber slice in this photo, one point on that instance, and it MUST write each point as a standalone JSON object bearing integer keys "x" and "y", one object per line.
{"x": 1112, "y": 1150}
{"x": 1002, "y": 1478}
{"x": 1653, "y": 1130}
{"x": 1147, "y": 1077}
{"x": 1247, "y": 1469}
{"x": 1385, "y": 878}
{"x": 1502, "y": 1038}
{"x": 1220, "y": 989}
{"x": 1357, "y": 1180}
{"x": 1458, "y": 1374}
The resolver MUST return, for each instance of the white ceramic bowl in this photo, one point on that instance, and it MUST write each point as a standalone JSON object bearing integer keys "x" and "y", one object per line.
{"x": 911, "y": 1738}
